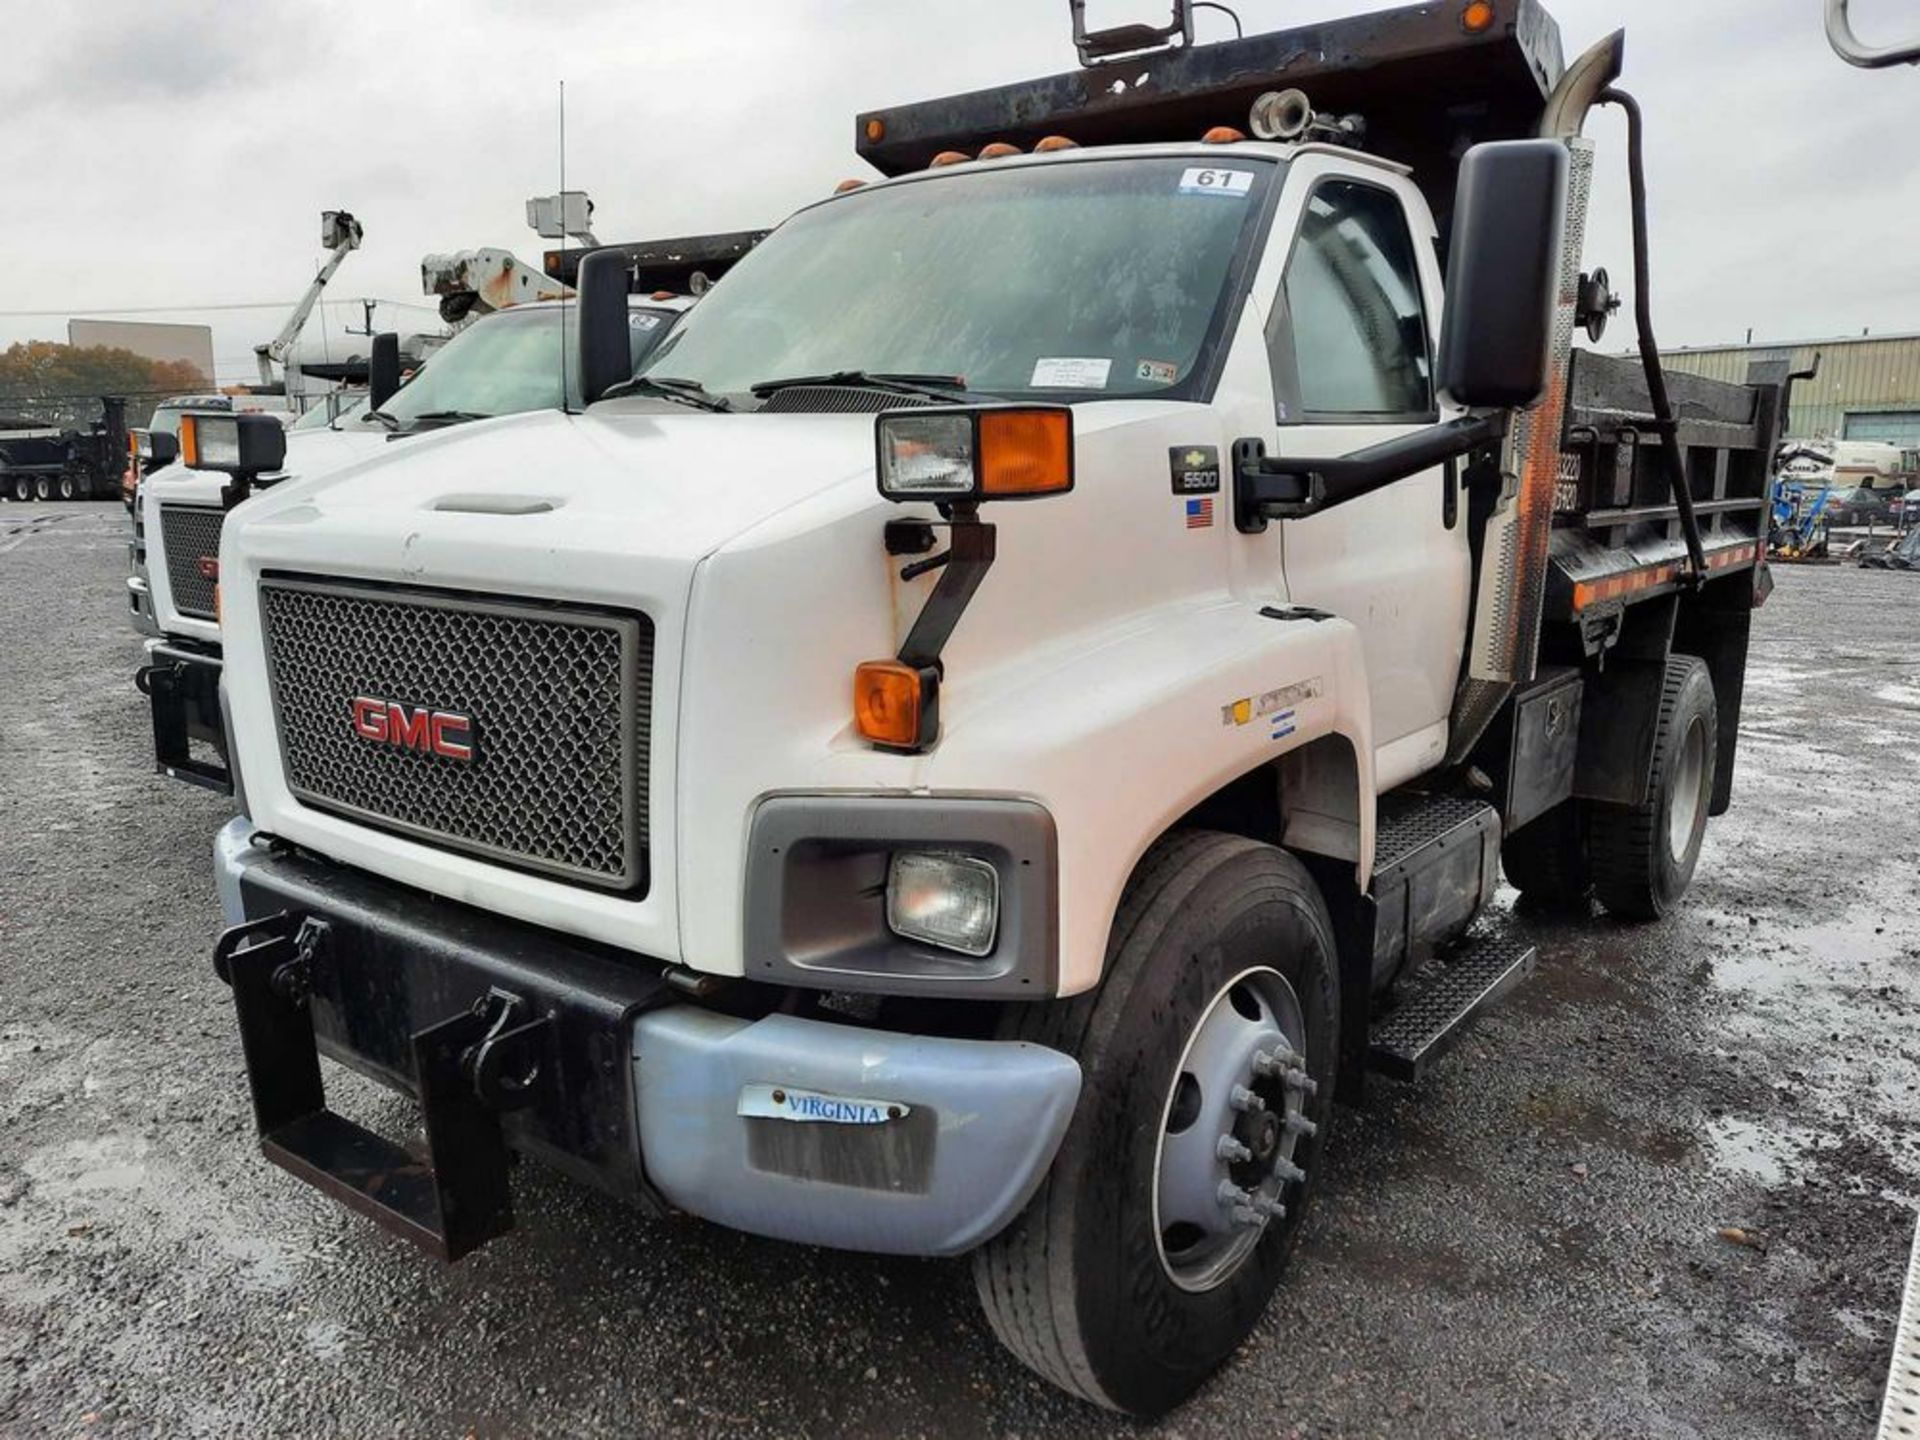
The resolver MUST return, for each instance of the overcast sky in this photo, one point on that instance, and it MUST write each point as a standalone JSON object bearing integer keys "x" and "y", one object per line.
{"x": 178, "y": 152}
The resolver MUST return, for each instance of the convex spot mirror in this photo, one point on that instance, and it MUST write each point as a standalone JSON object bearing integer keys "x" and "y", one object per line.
{"x": 1503, "y": 273}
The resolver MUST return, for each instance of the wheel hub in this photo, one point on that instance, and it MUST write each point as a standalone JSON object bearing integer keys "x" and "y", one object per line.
{"x": 1233, "y": 1122}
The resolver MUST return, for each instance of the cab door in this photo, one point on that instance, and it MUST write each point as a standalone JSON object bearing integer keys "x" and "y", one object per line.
{"x": 1351, "y": 328}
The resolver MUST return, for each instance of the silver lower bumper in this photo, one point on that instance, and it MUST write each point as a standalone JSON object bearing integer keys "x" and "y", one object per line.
{"x": 855, "y": 1138}
{"x": 140, "y": 606}
{"x": 978, "y": 1122}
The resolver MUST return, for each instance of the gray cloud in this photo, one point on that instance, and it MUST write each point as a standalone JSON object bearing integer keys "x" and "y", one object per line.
{"x": 180, "y": 153}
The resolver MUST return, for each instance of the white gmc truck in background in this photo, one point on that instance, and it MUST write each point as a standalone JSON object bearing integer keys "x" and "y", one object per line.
{"x": 721, "y": 792}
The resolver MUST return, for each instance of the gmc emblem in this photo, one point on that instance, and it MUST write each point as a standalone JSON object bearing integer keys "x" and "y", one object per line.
{"x": 445, "y": 733}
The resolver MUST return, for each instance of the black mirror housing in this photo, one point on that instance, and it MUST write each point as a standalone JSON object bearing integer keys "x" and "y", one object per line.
{"x": 1503, "y": 273}
{"x": 156, "y": 448}
{"x": 383, "y": 369}
{"x": 606, "y": 347}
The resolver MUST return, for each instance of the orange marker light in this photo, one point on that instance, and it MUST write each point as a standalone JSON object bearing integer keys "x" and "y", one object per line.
{"x": 948, "y": 157}
{"x": 999, "y": 149}
{"x": 1055, "y": 142}
{"x": 1025, "y": 452}
{"x": 876, "y": 130}
{"x": 1222, "y": 135}
{"x": 661, "y": 295}
{"x": 846, "y": 185}
{"x": 1478, "y": 16}
{"x": 189, "y": 441}
{"x": 890, "y": 703}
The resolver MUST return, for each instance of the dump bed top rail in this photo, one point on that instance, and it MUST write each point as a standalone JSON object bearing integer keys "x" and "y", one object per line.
{"x": 662, "y": 264}
{"x": 1424, "y": 83}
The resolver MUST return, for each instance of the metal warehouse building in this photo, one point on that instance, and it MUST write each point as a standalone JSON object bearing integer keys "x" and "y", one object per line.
{"x": 1868, "y": 388}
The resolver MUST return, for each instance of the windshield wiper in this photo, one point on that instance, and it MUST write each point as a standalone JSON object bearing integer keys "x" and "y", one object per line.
{"x": 392, "y": 422}
{"x": 937, "y": 387}
{"x": 672, "y": 387}
{"x": 452, "y": 415}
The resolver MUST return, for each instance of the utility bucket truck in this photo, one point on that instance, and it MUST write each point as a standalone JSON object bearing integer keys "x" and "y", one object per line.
{"x": 512, "y": 356}
{"x": 725, "y": 794}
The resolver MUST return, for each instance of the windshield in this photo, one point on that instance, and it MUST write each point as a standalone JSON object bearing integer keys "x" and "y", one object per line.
{"x": 1069, "y": 279}
{"x": 166, "y": 418}
{"x": 329, "y": 409}
{"x": 504, "y": 364}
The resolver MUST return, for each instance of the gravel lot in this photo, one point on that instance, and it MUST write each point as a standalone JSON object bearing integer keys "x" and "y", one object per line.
{"x": 1527, "y": 1245}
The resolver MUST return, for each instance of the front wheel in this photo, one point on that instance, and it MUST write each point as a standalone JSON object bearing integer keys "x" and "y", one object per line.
{"x": 1208, "y": 1055}
{"x": 1644, "y": 855}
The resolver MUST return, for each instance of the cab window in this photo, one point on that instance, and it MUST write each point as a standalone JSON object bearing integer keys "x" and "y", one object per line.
{"x": 1349, "y": 338}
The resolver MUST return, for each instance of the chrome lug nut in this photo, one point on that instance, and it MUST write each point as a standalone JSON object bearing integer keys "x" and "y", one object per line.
{"x": 1301, "y": 1081}
{"x": 1232, "y": 1151}
{"x": 1231, "y": 1195}
{"x": 1246, "y": 1215}
{"x": 1245, "y": 1101}
{"x": 1299, "y": 1125}
{"x": 1269, "y": 1063}
{"x": 1270, "y": 1207}
{"x": 1285, "y": 1170}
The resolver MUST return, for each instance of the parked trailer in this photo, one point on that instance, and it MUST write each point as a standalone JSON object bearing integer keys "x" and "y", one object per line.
{"x": 44, "y": 462}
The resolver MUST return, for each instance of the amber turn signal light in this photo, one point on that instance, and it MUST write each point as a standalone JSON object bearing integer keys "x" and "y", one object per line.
{"x": 189, "y": 441}
{"x": 895, "y": 704}
{"x": 1478, "y": 16}
{"x": 1025, "y": 452}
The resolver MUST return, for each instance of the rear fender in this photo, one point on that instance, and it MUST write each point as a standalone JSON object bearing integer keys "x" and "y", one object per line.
{"x": 1120, "y": 739}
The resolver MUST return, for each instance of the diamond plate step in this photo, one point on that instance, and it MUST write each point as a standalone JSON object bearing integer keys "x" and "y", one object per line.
{"x": 1435, "y": 1005}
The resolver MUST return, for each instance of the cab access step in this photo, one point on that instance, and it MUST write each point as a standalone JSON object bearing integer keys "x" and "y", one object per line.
{"x": 1436, "y": 865}
{"x": 1436, "y": 1005}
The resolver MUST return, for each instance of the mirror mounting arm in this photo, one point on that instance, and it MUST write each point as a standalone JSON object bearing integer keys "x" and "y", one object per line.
{"x": 1276, "y": 488}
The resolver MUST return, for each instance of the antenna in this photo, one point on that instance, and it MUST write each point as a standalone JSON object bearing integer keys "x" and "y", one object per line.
{"x": 566, "y": 407}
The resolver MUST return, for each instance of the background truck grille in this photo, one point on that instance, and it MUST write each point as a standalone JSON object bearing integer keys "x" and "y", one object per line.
{"x": 558, "y": 700}
{"x": 190, "y": 534}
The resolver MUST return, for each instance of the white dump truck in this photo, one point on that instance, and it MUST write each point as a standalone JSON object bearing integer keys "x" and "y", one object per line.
{"x": 724, "y": 793}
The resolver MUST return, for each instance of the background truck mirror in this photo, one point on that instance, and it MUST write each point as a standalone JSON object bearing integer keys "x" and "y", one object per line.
{"x": 606, "y": 354}
{"x": 1503, "y": 273}
{"x": 383, "y": 369}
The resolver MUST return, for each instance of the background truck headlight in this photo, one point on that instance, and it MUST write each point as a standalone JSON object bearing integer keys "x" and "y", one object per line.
{"x": 944, "y": 899}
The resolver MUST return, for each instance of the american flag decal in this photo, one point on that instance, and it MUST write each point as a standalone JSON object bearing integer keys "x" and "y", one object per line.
{"x": 1200, "y": 513}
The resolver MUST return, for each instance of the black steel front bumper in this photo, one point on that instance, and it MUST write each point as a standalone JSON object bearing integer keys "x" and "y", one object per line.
{"x": 182, "y": 684}
{"x": 510, "y": 1039}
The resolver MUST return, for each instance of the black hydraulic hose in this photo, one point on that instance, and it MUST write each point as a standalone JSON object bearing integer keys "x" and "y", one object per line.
{"x": 1649, "y": 351}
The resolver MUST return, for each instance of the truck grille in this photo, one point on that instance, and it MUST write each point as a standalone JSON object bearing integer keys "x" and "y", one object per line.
{"x": 553, "y": 704}
{"x": 190, "y": 534}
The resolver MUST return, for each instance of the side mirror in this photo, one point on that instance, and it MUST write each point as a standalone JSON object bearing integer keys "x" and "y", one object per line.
{"x": 156, "y": 448}
{"x": 606, "y": 346}
{"x": 1503, "y": 273}
{"x": 383, "y": 369}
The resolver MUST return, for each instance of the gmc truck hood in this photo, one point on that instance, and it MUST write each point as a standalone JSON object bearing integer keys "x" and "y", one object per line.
{"x": 623, "y": 484}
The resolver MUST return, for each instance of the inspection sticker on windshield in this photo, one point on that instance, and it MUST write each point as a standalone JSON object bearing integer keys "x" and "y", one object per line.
{"x": 781, "y": 1102}
{"x": 1070, "y": 372}
{"x": 1234, "y": 184}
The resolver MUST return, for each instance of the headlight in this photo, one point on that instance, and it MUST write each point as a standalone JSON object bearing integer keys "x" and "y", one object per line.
{"x": 944, "y": 899}
{"x": 926, "y": 455}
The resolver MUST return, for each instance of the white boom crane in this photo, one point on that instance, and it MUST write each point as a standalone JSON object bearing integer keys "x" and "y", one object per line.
{"x": 340, "y": 234}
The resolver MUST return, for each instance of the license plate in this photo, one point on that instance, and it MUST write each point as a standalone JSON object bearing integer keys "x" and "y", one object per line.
{"x": 783, "y": 1102}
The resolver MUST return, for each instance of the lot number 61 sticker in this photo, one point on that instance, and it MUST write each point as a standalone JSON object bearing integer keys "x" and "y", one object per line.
{"x": 1234, "y": 184}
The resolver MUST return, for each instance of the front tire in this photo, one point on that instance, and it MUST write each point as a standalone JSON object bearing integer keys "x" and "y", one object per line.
{"x": 1154, "y": 1245}
{"x": 1644, "y": 855}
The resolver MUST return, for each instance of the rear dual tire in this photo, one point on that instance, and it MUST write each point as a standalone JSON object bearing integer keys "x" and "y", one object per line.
{"x": 1638, "y": 860}
{"x": 1644, "y": 855}
{"x": 1126, "y": 1281}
